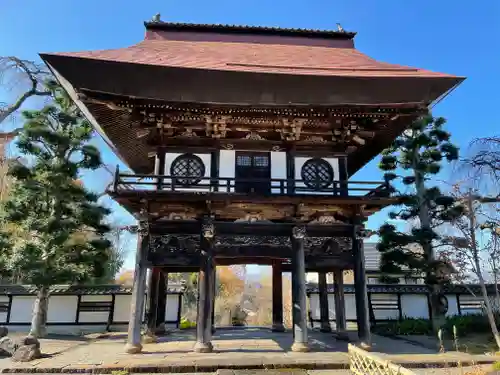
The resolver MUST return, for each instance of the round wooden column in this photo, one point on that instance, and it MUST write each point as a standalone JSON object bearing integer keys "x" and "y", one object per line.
{"x": 340, "y": 319}
{"x": 206, "y": 280}
{"x": 323, "y": 303}
{"x": 361, "y": 293}
{"x": 133, "y": 344}
{"x": 299, "y": 297}
{"x": 277, "y": 299}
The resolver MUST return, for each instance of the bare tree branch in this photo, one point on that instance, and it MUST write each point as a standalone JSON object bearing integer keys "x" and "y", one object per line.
{"x": 35, "y": 74}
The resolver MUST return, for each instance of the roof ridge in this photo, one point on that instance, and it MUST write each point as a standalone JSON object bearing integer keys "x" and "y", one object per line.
{"x": 249, "y": 29}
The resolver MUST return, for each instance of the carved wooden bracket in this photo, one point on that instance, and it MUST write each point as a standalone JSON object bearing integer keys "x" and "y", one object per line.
{"x": 216, "y": 126}
{"x": 299, "y": 232}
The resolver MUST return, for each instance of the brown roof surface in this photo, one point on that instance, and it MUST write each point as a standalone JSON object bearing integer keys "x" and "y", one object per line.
{"x": 255, "y": 57}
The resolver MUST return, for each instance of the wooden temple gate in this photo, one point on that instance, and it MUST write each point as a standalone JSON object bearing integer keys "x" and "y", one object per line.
{"x": 241, "y": 141}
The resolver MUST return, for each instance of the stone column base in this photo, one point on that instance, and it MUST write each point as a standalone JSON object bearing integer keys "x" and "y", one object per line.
{"x": 278, "y": 327}
{"x": 202, "y": 347}
{"x": 160, "y": 329}
{"x": 149, "y": 338}
{"x": 133, "y": 348}
{"x": 300, "y": 347}
{"x": 342, "y": 336}
{"x": 365, "y": 345}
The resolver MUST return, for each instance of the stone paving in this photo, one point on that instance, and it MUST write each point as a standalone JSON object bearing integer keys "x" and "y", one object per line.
{"x": 233, "y": 348}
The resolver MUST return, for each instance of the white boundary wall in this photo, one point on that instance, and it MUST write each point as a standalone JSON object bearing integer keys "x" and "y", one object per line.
{"x": 74, "y": 313}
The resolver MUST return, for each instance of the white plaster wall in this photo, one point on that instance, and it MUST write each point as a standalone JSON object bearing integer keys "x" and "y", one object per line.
{"x": 278, "y": 170}
{"x": 314, "y": 305}
{"x": 172, "y": 307}
{"x": 452, "y": 305}
{"x": 385, "y": 313}
{"x": 227, "y": 165}
{"x": 350, "y": 306}
{"x": 62, "y": 309}
{"x": 202, "y": 185}
{"x": 299, "y": 162}
{"x": 464, "y": 299}
{"x": 122, "y": 308}
{"x": 414, "y": 306}
{"x": 3, "y": 315}
{"x": 22, "y": 308}
{"x": 94, "y": 316}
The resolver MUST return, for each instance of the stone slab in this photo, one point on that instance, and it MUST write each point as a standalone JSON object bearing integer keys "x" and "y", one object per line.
{"x": 234, "y": 350}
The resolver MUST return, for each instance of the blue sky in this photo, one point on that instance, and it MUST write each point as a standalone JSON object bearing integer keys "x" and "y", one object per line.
{"x": 452, "y": 36}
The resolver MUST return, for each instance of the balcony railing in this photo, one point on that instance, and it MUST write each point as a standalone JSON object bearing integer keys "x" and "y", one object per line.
{"x": 231, "y": 185}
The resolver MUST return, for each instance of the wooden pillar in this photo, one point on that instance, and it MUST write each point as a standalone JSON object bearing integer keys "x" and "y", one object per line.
{"x": 152, "y": 311}
{"x": 213, "y": 296}
{"x": 133, "y": 344}
{"x": 300, "y": 341}
{"x": 340, "y": 318}
{"x": 162, "y": 302}
{"x": 277, "y": 299}
{"x": 361, "y": 294}
{"x": 206, "y": 278}
{"x": 323, "y": 303}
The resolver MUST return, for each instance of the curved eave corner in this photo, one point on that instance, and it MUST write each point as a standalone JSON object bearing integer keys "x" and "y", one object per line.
{"x": 68, "y": 87}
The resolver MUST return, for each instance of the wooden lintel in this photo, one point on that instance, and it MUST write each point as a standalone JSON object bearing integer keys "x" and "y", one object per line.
{"x": 255, "y": 229}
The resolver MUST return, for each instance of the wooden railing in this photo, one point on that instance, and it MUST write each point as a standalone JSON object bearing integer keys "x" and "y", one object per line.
{"x": 363, "y": 363}
{"x": 231, "y": 185}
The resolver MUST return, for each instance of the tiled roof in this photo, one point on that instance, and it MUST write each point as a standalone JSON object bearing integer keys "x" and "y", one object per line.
{"x": 75, "y": 289}
{"x": 408, "y": 288}
{"x": 248, "y": 29}
{"x": 255, "y": 58}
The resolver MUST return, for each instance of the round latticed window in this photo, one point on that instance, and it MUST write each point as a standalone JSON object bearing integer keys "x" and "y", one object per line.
{"x": 317, "y": 173}
{"x": 187, "y": 169}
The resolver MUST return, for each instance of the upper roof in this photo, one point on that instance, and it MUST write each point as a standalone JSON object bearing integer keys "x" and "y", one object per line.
{"x": 238, "y": 67}
{"x": 252, "y": 49}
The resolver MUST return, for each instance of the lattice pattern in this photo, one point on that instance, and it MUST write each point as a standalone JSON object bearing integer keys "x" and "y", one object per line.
{"x": 188, "y": 169}
{"x": 317, "y": 174}
{"x": 363, "y": 363}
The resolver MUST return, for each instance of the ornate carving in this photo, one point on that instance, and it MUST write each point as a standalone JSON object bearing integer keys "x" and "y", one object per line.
{"x": 216, "y": 126}
{"x": 315, "y": 139}
{"x": 180, "y": 216}
{"x": 326, "y": 219}
{"x": 175, "y": 250}
{"x": 188, "y": 132}
{"x": 143, "y": 218}
{"x": 208, "y": 230}
{"x": 299, "y": 232}
{"x": 292, "y": 128}
{"x": 254, "y": 136}
{"x": 276, "y": 148}
{"x": 231, "y": 241}
{"x": 228, "y": 146}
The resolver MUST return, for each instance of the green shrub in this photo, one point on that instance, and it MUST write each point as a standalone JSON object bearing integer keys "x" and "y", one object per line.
{"x": 185, "y": 324}
{"x": 473, "y": 323}
{"x": 407, "y": 326}
{"x": 466, "y": 324}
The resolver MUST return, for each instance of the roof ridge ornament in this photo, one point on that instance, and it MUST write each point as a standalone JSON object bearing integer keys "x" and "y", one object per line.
{"x": 340, "y": 28}
{"x": 156, "y": 18}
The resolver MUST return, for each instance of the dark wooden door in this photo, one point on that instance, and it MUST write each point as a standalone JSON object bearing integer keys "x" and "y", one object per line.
{"x": 253, "y": 172}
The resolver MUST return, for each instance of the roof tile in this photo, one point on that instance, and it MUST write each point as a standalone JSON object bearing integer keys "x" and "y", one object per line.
{"x": 254, "y": 57}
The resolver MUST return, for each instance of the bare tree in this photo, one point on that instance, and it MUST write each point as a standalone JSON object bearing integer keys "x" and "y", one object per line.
{"x": 17, "y": 72}
{"x": 483, "y": 165}
{"x": 468, "y": 247}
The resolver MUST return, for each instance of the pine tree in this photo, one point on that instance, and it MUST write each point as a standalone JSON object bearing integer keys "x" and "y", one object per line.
{"x": 418, "y": 154}
{"x": 66, "y": 242}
